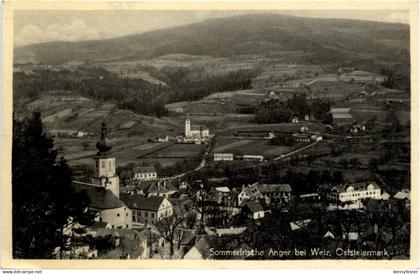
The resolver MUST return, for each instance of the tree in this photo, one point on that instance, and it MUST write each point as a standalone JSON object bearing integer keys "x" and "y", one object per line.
{"x": 168, "y": 229}
{"x": 43, "y": 198}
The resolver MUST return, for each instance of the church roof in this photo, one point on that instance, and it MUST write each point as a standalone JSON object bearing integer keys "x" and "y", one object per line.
{"x": 199, "y": 127}
{"x": 103, "y": 145}
{"x": 99, "y": 197}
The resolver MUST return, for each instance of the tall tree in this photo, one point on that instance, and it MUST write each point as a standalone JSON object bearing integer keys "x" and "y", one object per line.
{"x": 43, "y": 200}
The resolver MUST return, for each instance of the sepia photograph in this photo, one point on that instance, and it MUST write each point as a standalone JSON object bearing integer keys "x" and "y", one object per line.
{"x": 211, "y": 134}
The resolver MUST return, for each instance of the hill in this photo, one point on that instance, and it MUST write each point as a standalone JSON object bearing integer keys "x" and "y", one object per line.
{"x": 288, "y": 38}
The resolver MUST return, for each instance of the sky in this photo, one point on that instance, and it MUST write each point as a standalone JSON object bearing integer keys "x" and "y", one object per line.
{"x": 38, "y": 26}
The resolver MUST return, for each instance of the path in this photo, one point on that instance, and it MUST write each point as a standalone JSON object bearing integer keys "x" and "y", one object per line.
{"x": 295, "y": 151}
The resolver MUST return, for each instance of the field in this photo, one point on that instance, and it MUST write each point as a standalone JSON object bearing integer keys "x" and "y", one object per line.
{"x": 253, "y": 147}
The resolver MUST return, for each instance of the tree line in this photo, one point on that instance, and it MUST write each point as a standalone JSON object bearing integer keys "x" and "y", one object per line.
{"x": 276, "y": 111}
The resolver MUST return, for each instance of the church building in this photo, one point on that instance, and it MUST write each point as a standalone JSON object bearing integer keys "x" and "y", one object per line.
{"x": 195, "y": 131}
{"x": 103, "y": 191}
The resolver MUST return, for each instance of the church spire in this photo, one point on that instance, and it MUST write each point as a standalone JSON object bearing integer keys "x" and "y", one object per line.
{"x": 103, "y": 145}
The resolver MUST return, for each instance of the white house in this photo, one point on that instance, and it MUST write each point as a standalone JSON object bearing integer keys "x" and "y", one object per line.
{"x": 253, "y": 158}
{"x": 354, "y": 192}
{"x": 144, "y": 173}
{"x": 223, "y": 156}
{"x": 147, "y": 210}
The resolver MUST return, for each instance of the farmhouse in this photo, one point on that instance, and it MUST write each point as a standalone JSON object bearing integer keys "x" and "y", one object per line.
{"x": 223, "y": 156}
{"x": 362, "y": 77}
{"x": 195, "y": 131}
{"x": 341, "y": 116}
{"x": 147, "y": 210}
{"x": 144, "y": 173}
{"x": 354, "y": 192}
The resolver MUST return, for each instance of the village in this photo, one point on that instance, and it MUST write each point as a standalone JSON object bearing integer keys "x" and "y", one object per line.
{"x": 147, "y": 215}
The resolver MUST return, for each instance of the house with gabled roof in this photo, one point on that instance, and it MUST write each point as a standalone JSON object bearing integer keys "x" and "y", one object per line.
{"x": 354, "y": 192}
{"x": 147, "y": 210}
{"x": 144, "y": 173}
{"x": 253, "y": 210}
{"x": 156, "y": 188}
{"x": 272, "y": 193}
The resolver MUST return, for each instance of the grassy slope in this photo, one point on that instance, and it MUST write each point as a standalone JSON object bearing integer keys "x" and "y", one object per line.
{"x": 314, "y": 40}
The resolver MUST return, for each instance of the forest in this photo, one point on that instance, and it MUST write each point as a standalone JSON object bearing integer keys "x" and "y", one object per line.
{"x": 136, "y": 95}
{"x": 276, "y": 111}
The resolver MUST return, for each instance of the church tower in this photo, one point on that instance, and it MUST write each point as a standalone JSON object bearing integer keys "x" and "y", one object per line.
{"x": 105, "y": 165}
{"x": 187, "y": 127}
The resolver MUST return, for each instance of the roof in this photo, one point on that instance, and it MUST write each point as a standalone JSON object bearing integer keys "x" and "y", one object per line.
{"x": 99, "y": 197}
{"x": 254, "y": 207}
{"x": 156, "y": 186}
{"x": 402, "y": 195}
{"x": 342, "y": 116}
{"x": 222, "y": 189}
{"x": 258, "y": 188}
{"x": 231, "y": 230}
{"x": 203, "y": 247}
{"x": 142, "y": 202}
{"x": 329, "y": 235}
{"x": 340, "y": 110}
{"x": 188, "y": 237}
{"x": 356, "y": 186}
{"x": 199, "y": 127}
{"x": 363, "y": 73}
{"x": 299, "y": 224}
{"x": 144, "y": 169}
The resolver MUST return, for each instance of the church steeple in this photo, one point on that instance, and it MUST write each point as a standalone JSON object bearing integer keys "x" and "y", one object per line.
{"x": 103, "y": 145}
{"x": 105, "y": 164}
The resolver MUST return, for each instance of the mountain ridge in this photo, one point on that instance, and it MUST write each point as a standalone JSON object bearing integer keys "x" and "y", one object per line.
{"x": 318, "y": 40}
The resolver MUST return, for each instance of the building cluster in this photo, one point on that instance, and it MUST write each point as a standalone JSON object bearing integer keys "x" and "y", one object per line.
{"x": 129, "y": 214}
{"x": 194, "y": 134}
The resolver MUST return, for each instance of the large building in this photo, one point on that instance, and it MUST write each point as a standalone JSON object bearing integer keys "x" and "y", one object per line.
{"x": 353, "y": 192}
{"x": 223, "y": 156}
{"x": 363, "y": 77}
{"x": 195, "y": 131}
{"x": 147, "y": 210}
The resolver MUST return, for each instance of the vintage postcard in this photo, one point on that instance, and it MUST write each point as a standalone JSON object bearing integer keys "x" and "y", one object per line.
{"x": 210, "y": 134}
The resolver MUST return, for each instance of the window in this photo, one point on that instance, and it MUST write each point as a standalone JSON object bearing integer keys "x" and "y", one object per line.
{"x": 134, "y": 218}
{"x": 153, "y": 215}
{"x": 118, "y": 214}
{"x": 102, "y": 164}
{"x": 126, "y": 214}
{"x": 145, "y": 214}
